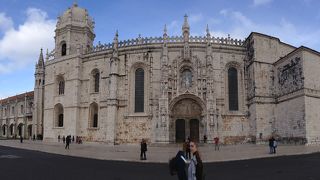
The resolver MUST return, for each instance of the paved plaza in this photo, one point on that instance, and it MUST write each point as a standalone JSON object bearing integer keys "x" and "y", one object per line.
{"x": 159, "y": 153}
{"x": 25, "y": 164}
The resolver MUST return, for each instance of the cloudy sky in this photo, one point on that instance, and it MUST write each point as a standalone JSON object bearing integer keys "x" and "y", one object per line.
{"x": 27, "y": 26}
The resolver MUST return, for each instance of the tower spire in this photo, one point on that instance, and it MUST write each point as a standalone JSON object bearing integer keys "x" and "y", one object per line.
{"x": 115, "y": 45}
{"x": 116, "y": 35}
{"x": 185, "y": 23}
{"x": 40, "y": 60}
{"x": 186, "y": 29}
{"x": 165, "y": 35}
{"x": 75, "y": 3}
{"x": 207, "y": 30}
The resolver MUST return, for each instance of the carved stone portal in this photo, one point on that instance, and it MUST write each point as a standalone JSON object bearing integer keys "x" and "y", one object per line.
{"x": 186, "y": 116}
{"x": 187, "y": 108}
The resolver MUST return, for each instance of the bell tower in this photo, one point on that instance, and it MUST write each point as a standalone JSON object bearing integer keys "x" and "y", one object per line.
{"x": 37, "y": 118}
{"x": 74, "y": 32}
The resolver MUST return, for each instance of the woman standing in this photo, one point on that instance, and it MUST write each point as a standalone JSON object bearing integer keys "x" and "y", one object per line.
{"x": 195, "y": 170}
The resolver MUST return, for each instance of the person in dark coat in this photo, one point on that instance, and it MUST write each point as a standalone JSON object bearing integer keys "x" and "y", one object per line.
{"x": 271, "y": 140}
{"x": 274, "y": 145}
{"x": 143, "y": 149}
{"x": 21, "y": 139}
{"x": 68, "y": 140}
{"x": 59, "y": 138}
{"x": 72, "y": 139}
{"x": 64, "y": 139}
{"x": 216, "y": 144}
{"x": 181, "y": 166}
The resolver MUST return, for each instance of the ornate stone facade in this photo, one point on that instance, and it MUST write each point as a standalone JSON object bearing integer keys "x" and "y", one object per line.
{"x": 168, "y": 88}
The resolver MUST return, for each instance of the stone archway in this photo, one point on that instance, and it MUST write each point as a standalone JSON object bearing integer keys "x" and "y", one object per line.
{"x": 20, "y": 130}
{"x": 30, "y": 131}
{"x": 186, "y": 113}
{"x": 4, "y": 130}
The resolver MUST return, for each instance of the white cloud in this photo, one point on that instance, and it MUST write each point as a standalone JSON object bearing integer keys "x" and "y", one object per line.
{"x": 261, "y": 2}
{"x": 241, "y": 26}
{"x": 21, "y": 46}
{"x": 5, "y": 22}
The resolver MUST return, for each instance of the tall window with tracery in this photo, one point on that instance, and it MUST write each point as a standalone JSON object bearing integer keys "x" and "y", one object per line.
{"x": 61, "y": 87}
{"x": 139, "y": 90}
{"x": 63, "y": 49}
{"x": 233, "y": 89}
{"x": 96, "y": 81}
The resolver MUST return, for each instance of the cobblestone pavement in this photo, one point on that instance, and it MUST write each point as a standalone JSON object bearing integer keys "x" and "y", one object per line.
{"x": 159, "y": 153}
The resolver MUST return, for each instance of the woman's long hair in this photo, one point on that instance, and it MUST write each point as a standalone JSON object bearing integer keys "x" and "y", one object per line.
{"x": 196, "y": 154}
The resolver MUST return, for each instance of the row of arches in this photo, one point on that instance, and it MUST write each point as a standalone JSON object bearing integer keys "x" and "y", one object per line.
{"x": 13, "y": 130}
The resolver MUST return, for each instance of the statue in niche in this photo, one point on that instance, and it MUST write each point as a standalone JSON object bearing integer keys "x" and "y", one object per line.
{"x": 186, "y": 79}
{"x": 163, "y": 118}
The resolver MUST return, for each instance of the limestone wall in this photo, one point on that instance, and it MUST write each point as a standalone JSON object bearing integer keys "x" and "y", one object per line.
{"x": 312, "y": 100}
{"x": 290, "y": 118}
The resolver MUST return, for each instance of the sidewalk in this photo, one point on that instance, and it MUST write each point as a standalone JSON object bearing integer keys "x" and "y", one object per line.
{"x": 159, "y": 154}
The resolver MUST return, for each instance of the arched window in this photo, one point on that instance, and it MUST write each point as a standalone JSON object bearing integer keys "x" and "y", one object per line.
{"x": 233, "y": 89}
{"x": 12, "y": 111}
{"x": 96, "y": 81}
{"x": 139, "y": 90}
{"x": 22, "y": 110}
{"x": 95, "y": 120}
{"x": 61, "y": 86}
{"x": 4, "y": 130}
{"x": 93, "y": 115}
{"x": 60, "y": 123}
{"x": 58, "y": 108}
{"x": 11, "y": 129}
{"x": 63, "y": 49}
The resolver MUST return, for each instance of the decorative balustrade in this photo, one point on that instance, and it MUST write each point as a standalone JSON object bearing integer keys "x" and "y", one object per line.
{"x": 173, "y": 39}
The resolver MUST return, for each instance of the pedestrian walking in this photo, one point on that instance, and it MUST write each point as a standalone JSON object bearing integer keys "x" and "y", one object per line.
{"x": 63, "y": 139}
{"x": 143, "y": 150}
{"x": 59, "y": 138}
{"x": 271, "y": 140}
{"x": 205, "y": 138}
{"x": 72, "y": 139}
{"x": 21, "y": 139}
{"x": 68, "y": 139}
{"x": 34, "y": 137}
{"x": 195, "y": 169}
{"x": 274, "y": 145}
{"x": 216, "y": 144}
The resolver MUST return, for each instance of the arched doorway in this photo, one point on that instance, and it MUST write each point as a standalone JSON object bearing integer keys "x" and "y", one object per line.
{"x": 20, "y": 130}
{"x": 11, "y": 130}
{"x": 194, "y": 130}
{"x": 4, "y": 130}
{"x": 186, "y": 115}
{"x": 180, "y": 130}
{"x": 30, "y": 130}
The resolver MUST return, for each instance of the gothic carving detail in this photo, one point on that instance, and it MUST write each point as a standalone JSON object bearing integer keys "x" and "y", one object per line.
{"x": 290, "y": 77}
